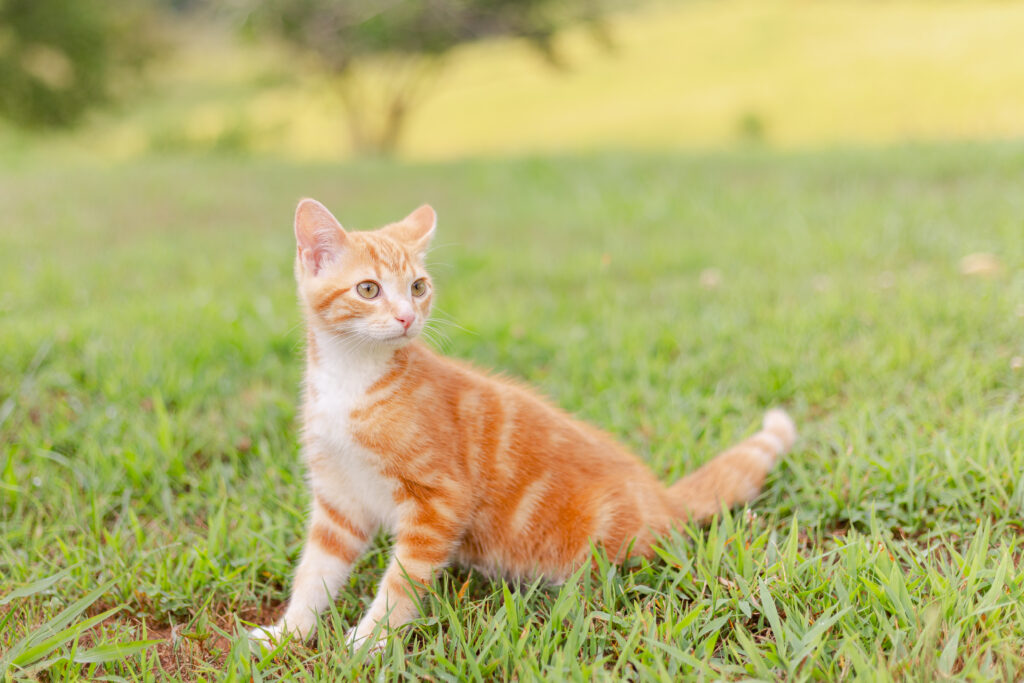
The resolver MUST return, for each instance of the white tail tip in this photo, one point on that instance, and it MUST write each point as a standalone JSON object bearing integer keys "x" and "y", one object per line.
{"x": 778, "y": 422}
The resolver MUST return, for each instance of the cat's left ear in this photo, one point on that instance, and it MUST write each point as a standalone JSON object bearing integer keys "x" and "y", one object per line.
{"x": 415, "y": 230}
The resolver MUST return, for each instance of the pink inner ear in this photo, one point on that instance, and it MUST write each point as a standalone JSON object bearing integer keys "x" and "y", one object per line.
{"x": 315, "y": 259}
{"x": 416, "y": 230}
{"x": 318, "y": 234}
{"x": 422, "y": 221}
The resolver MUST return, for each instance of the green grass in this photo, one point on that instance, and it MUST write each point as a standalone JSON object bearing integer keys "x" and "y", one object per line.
{"x": 150, "y": 359}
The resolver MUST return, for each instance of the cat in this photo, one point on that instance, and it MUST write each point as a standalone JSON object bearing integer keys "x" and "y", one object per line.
{"x": 459, "y": 465}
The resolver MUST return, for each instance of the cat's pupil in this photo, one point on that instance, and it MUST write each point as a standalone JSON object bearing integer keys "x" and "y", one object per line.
{"x": 368, "y": 290}
{"x": 419, "y": 287}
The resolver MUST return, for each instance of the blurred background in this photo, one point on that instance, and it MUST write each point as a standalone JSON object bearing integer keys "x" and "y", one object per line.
{"x": 446, "y": 79}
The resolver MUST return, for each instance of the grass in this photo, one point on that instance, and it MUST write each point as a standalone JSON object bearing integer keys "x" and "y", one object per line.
{"x": 786, "y": 73}
{"x": 150, "y": 356}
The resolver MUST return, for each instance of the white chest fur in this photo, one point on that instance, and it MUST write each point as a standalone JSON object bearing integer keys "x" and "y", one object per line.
{"x": 346, "y": 474}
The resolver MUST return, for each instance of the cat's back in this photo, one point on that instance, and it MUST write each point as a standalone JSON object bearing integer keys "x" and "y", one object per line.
{"x": 427, "y": 409}
{"x": 450, "y": 402}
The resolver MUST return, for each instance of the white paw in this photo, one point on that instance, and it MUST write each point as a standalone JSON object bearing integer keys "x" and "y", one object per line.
{"x": 356, "y": 638}
{"x": 267, "y": 636}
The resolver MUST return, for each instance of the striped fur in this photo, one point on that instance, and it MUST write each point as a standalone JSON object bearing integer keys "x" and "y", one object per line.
{"x": 458, "y": 465}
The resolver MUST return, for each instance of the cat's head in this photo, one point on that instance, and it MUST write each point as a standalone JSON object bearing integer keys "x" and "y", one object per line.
{"x": 364, "y": 287}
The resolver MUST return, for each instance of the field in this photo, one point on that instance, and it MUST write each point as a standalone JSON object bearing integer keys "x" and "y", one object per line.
{"x": 150, "y": 356}
{"x": 786, "y": 73}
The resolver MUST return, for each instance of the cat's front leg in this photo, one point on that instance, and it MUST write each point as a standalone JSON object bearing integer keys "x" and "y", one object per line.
{"x": 426, "y": 538}
{"x": 334, "y": 542}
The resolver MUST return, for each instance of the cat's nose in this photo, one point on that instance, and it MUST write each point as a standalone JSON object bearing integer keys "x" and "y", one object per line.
{"x": 405, "y": 318}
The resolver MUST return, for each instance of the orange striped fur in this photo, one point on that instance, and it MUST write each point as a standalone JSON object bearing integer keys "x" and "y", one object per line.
{"x": 459, "y": 465}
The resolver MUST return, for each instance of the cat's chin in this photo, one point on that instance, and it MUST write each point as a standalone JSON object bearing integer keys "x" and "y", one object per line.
{"x": 353, "y": 342}
{"x": 395, "y": 341}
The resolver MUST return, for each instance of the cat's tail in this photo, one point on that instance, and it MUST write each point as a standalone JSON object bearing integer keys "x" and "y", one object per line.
{"x": 735, "y": 476}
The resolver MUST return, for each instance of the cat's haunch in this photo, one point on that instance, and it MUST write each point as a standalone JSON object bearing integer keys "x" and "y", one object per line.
{"x": 460, "y": 466}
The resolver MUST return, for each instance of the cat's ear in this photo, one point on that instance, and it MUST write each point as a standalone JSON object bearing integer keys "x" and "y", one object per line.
{"x": 415, "y": 230}
{"x": 318, "y": 235}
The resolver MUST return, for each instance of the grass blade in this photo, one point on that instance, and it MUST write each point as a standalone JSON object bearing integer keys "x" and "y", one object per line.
{"x": 35, "y": 587}
{"x": 112, "y": 651}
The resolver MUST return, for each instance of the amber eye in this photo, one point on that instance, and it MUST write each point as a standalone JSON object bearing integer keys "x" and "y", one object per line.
{"x": 419, "y": 288}
{"x": 368, "y": 289}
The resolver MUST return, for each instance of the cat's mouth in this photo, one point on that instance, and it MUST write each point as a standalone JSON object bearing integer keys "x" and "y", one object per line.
{"x": 399, "y": 337}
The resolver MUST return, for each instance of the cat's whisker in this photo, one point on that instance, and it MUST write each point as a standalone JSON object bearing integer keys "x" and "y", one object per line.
{"x": 439, "y": 338}
{"x": 438, "y": 332}
{"x": 445, "y": 332}
{"x": 434, "y": 325}
{"x": 447, "y": 319}
{"x": 349, "y": 340}
{"x": 444, "y": 321}
{"x": 439, "y": 342}
{"x": 438, "y": 247}
{"x": 300, "y": 340}
{"x": 435, "y": 321}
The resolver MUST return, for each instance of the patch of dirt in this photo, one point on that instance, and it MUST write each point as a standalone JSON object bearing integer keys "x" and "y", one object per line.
{"x": 184, "y": 654}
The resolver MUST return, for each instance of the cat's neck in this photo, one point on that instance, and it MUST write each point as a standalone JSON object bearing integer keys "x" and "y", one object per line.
{"x": 346, "y": 360}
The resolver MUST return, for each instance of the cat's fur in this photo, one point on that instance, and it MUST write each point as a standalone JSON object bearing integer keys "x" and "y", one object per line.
{"x": 458, "y": 465}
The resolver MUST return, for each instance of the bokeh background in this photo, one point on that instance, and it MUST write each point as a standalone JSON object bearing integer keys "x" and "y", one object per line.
{"x": 319, "y": 80}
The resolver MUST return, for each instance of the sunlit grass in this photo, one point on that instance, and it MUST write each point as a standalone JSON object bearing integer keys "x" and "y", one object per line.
{"x": 150, "y": 355}
{"x": 787, "y": 73}
{"x": 698, "y": 73}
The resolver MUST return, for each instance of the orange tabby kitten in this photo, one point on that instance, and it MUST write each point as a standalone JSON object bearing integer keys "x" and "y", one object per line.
{"x": 459, "y": 465}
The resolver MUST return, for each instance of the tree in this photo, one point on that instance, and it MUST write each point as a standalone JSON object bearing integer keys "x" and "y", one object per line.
{"x": 59, "y": 58}
{"x": 406, "y": 40}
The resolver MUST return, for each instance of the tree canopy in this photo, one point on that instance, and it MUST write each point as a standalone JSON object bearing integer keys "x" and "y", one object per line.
{"x": 59, "y": 58}
{"x": 409, "y": 38}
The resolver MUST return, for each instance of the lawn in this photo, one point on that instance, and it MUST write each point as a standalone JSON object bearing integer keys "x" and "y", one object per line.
{"x": 150, "y": 355}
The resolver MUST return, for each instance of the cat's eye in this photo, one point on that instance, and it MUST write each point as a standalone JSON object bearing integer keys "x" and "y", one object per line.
{"x": 419, "y": 288}
{"x": 368, "y": 289}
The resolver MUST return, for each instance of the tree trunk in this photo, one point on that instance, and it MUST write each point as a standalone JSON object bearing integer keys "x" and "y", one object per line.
{"x": 410, "y": 82}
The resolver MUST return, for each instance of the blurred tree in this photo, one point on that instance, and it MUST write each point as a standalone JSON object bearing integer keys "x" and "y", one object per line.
{"x": 59, "y": 58}
{"x": 405, "y": 41}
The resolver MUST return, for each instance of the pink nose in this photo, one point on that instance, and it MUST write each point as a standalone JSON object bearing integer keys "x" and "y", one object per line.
{"x": 406, "y": 319}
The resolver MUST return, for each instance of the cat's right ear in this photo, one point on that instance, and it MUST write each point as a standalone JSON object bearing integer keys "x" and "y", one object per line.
{"x": 319, "y": 236}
